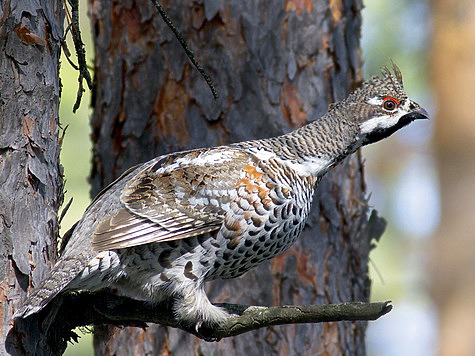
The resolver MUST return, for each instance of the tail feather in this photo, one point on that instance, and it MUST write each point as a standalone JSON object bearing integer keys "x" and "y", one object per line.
{"x": 61, "y": 275}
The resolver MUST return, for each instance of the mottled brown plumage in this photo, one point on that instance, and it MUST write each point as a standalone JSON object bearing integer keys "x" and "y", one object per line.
{"x": 164, "y": 228}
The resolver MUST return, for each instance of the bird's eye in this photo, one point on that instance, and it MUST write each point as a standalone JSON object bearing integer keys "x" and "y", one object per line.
{"x": 390, "y": 103}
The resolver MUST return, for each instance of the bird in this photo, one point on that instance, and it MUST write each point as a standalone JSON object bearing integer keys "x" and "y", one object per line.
{"x": 166, "y": 227}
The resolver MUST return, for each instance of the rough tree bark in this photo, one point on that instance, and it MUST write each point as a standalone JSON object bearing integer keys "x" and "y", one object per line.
{"x": 277, "y": 65}
{"x": 30, "y": 174}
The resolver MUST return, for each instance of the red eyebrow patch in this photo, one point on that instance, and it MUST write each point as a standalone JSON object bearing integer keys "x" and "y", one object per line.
{"x": 391, "y": 98}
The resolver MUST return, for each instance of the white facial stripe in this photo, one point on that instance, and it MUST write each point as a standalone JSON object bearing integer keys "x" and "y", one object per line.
{"x": 377, "y": 101}
{"x": 370, "y": 125}
{"x": 381, "y": 122}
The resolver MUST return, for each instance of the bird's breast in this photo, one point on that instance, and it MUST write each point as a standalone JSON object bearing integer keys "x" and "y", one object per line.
{"x": 264, "y": 218}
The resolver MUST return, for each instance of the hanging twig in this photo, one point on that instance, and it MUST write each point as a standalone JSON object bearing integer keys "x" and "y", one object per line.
{"x": 65, "y": 210}
{"x": 65, "y": 48}
{"x": 188, "y": 51}
{"x": 80, "y": 53}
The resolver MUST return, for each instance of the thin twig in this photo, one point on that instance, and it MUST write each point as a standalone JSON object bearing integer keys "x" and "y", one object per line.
{"x": 65, "y": 210}
{"x": 80, "y": 53}
{"x": 188, "y": 51}
{"x": 66, "y": 51}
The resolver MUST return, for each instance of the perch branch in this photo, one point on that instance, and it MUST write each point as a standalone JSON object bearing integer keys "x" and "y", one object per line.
{"x": 102, "y": 308}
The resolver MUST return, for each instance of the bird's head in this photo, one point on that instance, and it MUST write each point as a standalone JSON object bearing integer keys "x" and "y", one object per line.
{"x": 383, "y": 106}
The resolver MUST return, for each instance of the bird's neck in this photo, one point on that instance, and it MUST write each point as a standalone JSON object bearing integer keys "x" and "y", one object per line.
{"x": 315, "y": 148}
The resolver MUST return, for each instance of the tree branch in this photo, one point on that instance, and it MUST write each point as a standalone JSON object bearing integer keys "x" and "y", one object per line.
{"x": 66, "y": 312}
{"x": 106, "y": 308}
{"x": 255, "y": 317}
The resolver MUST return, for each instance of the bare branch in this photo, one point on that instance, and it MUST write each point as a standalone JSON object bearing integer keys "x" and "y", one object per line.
{"x": 255, "y": 317}
{"x": 106, "y": 308}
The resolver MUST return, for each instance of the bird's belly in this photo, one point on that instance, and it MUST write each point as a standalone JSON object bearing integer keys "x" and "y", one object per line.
{"x": 253, "y": 247}
{"x": 158, "y": 270}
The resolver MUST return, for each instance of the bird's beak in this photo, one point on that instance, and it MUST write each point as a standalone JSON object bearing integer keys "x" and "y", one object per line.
{"x": 420, "y": 114}
{"x": 417, "y": 113}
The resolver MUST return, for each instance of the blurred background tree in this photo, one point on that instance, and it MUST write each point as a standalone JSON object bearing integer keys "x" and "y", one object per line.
{"x": 452, "y": 264}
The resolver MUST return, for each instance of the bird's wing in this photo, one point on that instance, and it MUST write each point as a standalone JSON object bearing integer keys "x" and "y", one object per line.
{"x": 178, "y": 197}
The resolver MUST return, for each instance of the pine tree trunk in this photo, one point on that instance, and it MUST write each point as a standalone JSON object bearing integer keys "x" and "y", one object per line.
{"x": 276, "y": 65}
{"x": 30, "y": 174}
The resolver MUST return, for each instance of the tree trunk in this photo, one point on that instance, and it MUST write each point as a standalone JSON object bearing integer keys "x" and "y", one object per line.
{"x": 30, "y": 174}
{"x": 276, "y": 65}
{"x": 453, "y": 263}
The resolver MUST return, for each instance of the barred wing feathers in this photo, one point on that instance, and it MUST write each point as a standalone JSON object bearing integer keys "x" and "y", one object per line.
{"x": 178, "y": 197}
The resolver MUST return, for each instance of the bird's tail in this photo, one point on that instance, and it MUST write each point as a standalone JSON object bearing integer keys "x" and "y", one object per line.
{"x": 61, "y": 275}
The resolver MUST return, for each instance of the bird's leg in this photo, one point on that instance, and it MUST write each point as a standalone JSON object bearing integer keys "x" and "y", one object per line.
{"x": 195, "y": 308}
